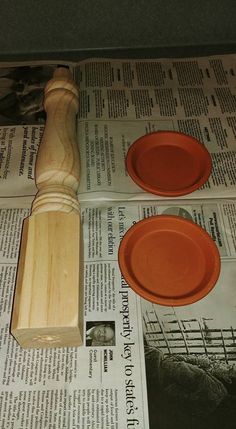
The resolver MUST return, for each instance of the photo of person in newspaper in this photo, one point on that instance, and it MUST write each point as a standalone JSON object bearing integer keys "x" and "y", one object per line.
{"x": 100, "y": 333}
{"x": 21, "y": 94}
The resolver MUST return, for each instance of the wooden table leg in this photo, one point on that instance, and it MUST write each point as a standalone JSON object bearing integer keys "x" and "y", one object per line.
{"x": 48, "y": 302}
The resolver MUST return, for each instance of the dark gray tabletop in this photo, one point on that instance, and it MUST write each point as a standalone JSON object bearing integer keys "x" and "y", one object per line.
{"x": 76, "y": 29}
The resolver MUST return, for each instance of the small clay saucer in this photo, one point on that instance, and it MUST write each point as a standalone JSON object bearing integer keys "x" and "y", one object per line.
{"x": 169, "y": 260}
{"x": 168, "y": 163}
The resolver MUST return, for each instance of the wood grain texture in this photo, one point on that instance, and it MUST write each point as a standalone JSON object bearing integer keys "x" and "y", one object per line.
{"x": 57, "y": 171}
{"x": 48, "y": 303}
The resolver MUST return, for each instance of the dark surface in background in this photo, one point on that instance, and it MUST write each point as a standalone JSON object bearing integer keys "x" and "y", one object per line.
{"x": 57, "y": 29}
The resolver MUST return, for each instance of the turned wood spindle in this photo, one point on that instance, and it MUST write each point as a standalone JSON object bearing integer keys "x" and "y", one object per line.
{"x": 47, "y": 309}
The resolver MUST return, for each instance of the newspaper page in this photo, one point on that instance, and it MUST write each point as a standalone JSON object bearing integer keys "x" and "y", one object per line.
{"x": 122, "y": 100}
{"x": 141, "y": 365}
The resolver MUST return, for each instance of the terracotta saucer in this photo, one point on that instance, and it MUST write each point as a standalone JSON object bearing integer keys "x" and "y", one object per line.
{"x": 168, "y": 163}
{"x": 169, "y": 260}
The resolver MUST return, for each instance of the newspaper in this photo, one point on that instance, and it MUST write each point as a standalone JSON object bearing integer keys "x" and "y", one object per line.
{"x": 119, "y": 102}
{"x": 141, "y": 365}
{"x": 123, "y": 100}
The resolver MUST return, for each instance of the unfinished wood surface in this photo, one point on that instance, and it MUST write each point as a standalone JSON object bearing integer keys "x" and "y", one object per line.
{"x": 48, "y": 303}
{"x": 57, "y": 166}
